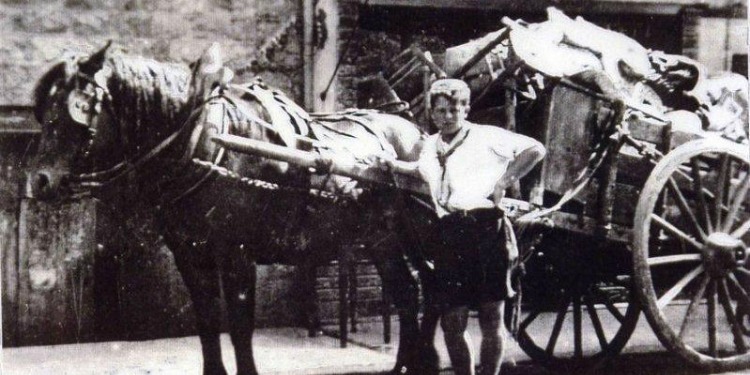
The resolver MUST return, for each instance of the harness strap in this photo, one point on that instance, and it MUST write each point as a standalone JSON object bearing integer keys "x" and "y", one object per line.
{"x": 148, "y": 156}
{"x": 191, "y": 151}
{"x": 278, "y": 106}
{"x": 268, "y": 126}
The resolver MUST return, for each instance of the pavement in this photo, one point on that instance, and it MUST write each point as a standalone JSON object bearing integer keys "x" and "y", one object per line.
{"x": 290, "y": 351}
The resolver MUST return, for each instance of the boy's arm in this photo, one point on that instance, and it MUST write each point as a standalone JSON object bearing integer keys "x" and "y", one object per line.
{"x": 518, "y": 167}
{"x": 410, "y": 168}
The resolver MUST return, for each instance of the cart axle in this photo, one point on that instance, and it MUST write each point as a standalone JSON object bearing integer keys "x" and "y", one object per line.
{"x": 722, "y": 253}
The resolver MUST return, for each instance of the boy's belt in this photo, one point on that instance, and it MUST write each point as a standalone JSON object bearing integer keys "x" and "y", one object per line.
{"x": 477, "y": 214}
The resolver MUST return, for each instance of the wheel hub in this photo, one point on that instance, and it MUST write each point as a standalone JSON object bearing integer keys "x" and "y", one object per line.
{"x": 723, "y": 253}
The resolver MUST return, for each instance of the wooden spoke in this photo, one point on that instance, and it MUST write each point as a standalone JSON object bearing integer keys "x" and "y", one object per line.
{"x": 712, "y": 319}
{"x": 742, "y": 271}
{"x": 694, "y": 303}
{"x": 614, "y": 311}
{"x": 741, "y": 231}
{"x": 577, "y": 329}
{"x": 678, "y": 287}
{"x": 743, "y": 296}
{"x": 561, "y": 312}
{"x": 739, "y": 340}
{"x": 685, "y": 208}
{"x": 597, "y": 324}
{"x": 689, "y": 179}
{"x": 675, "y": 231}
{"x": 528, "y": 320}
{"x": 674, "y": 259}
{"x": 679, "y": 172}
{"x": 698, "y": 189}
{"x": 721, "y": 181}
{"x": 737, "y": 200}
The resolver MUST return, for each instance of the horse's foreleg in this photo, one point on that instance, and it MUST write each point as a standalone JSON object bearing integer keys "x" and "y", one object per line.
{"x": 201, "y": 277}
{"x": 239, "y": 277}
{"x": 399, "y": 283}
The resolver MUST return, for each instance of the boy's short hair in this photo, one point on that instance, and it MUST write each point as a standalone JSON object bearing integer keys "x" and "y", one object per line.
{"x": 453, "y": 89}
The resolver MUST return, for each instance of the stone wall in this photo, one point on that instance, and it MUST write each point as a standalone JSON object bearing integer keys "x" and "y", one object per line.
{"x": 36, "y": 32}
{"x": 138, "y": 292}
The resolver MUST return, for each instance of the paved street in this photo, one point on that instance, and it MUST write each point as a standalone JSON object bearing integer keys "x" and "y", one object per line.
{"x": 290, "y": 351}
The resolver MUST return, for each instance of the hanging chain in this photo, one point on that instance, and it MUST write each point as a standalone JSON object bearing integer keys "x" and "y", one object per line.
{"x": 260, "y": 184}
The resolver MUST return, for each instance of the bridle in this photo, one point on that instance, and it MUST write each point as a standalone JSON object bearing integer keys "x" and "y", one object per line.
{"x": 85, "y": 112}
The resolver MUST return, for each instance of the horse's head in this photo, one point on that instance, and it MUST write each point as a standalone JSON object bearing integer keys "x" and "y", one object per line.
{"x": 71, "y": 106}
{"x": 103, "y": 116}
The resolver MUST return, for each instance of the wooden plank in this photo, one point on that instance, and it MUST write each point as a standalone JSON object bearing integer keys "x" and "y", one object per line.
{"x": 567, "y": 137}
{"x": 18, "y": 120}
{"x": 55, "y": 262}
{"x": 647, "y": 131}
{"x": 9, "y": 253}
{"x": 12, "y": 149}
{"x": 587, "y": 226}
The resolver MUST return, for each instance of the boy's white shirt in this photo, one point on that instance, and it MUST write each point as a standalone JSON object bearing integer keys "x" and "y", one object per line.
{"x": 474, "y": 167}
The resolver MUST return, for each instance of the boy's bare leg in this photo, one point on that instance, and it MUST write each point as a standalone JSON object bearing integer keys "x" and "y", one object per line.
{"x": 493, "y": 337}
{"x": 457, "y": 340}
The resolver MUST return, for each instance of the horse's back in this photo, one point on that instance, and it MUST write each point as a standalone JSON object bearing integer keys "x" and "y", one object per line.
{"x": 401, "y": 137}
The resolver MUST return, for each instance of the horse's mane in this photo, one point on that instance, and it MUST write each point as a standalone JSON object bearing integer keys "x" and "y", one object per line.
{"x": 148, "y": 97}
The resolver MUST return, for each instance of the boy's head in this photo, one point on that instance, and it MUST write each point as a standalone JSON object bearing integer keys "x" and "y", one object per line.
{"x": 449, "y": 99}
{"x": 451, "y": 89}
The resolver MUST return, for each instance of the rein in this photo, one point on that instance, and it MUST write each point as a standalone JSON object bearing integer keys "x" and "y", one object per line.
{"x": 107, "y": 177}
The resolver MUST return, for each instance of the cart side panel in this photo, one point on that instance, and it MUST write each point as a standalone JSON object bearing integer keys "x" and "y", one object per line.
{"x": 571, "y": 116}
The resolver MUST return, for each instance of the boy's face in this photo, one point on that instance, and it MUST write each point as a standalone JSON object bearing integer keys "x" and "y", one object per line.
{"x": 449, "y": 114}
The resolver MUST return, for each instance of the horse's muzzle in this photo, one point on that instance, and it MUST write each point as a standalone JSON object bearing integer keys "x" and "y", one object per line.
{"x": 46, "y": 186}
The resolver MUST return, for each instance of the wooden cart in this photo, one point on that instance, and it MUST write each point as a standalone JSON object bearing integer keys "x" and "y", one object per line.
{"x": 630, "y": 214}
{"x": 662, "y": 224}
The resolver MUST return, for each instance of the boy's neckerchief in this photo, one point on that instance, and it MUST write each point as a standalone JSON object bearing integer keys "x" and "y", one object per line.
{"x": 442, "y": 156}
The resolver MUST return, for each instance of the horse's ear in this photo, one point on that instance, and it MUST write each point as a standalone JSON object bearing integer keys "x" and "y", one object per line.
{"x": 95, "y": 62}
{"x": 208, "y": 72}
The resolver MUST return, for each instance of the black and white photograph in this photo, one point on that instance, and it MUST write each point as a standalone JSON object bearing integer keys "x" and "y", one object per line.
{"x": 374, "y": 187}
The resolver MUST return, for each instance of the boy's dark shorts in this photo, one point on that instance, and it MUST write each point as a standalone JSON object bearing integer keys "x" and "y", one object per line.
{"x": 471, "y": 262}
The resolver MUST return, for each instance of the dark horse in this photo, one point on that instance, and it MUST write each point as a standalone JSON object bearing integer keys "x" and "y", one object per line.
{"x": 110, "y": 117}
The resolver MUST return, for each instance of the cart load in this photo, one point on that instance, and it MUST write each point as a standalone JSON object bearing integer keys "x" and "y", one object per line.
{"x": 535, "y": 55}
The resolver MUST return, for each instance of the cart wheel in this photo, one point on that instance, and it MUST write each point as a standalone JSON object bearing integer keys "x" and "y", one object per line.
{"x": 591, "y": 307}
{"x": 690, "y": 247}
